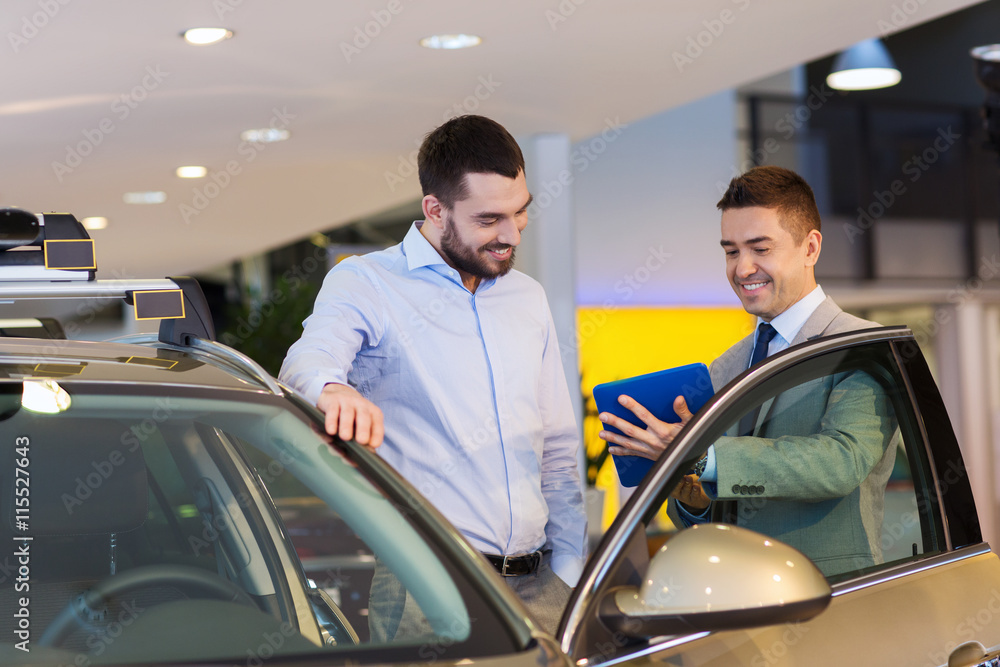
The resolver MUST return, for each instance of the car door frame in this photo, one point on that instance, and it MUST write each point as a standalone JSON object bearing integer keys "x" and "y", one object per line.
{"x": 956, "y": 507}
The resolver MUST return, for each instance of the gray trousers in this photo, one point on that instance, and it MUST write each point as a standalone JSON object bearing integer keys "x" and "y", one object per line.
{"x": 394, "y": 616}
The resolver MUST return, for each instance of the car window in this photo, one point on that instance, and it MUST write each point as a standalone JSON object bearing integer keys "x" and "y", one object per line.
{"x": 202, "y": 528}
{"x": 825, "y": 456}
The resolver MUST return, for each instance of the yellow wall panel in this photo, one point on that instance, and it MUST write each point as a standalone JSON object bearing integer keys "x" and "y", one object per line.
{"x": 623, "y": 342}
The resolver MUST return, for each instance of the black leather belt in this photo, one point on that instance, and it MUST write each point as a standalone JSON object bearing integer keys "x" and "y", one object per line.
{"x": 516, "y": 566}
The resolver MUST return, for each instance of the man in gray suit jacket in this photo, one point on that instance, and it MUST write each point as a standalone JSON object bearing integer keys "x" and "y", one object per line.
{"x": 811, "y": 468}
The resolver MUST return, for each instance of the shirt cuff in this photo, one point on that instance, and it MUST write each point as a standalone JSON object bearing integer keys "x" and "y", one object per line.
{"x": 711, "y": 473}
{"x": 568, "y": 568}
{"x": 690, "y": 519}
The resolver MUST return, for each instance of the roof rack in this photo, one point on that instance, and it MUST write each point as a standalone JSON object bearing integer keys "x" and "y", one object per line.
{"x": 234, "y": 359}
{"x": 51, "y": 256}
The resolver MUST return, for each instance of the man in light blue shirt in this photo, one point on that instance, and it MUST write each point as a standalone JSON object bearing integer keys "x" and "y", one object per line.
{"x": 438, "y": 351}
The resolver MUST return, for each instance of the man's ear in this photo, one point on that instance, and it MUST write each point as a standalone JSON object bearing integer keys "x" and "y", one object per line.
{"x": 433, "y": 211}
{"x": 814, "y": 244}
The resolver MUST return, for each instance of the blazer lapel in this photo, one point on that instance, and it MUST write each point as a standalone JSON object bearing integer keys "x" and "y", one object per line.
{"x": 817, "y": 323}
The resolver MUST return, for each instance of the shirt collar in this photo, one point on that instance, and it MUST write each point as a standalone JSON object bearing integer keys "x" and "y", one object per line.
{"x": 789, "y": 323}
{"x": 418, "y": 250}
{"x": 420, "y": 253}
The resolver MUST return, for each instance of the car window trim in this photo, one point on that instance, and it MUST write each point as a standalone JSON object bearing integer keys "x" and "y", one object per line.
{"x": 264, "y": 507}
{"x": 958, "y": 511}
{"x": 906, "y": 569}
{"x": 634, "y": 509}
{"x": 904, "y": 371}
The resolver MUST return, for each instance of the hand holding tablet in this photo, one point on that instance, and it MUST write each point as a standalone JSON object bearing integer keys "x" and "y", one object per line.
{"x": 652, "y": 403}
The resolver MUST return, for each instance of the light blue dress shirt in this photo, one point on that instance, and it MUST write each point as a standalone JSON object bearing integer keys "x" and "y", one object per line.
{"x": 478, "y": 416}
{"x": 787, "y": 325}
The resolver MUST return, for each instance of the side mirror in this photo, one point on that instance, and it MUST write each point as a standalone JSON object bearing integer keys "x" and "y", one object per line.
{"x": 717, "y": 577}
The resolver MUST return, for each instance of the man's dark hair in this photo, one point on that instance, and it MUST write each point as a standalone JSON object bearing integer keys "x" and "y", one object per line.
{"x": 780, "y": 189}
{"x": 465, "y": 145}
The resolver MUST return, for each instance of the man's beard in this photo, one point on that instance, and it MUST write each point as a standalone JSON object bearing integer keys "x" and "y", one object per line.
{"x": 474, "y": 262}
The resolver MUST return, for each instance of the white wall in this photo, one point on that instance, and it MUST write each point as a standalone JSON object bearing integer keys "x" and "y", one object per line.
{"x": 649, "y": 189}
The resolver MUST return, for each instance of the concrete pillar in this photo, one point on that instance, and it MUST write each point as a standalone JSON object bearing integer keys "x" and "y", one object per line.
{"x": 965, "y": 387}
{"x": 548, "y": 245}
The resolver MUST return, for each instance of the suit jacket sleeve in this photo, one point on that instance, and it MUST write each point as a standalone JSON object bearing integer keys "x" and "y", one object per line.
{"x": 820, "y": 441}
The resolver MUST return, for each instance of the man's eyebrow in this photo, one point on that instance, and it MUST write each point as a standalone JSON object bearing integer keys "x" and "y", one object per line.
{"x": 496, "y": 214}
{"x": 753, "y": 241}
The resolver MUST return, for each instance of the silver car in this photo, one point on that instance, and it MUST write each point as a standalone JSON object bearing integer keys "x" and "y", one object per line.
{"x": 164, "y": 500}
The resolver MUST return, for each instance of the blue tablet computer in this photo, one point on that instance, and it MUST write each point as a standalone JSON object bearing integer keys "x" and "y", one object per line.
{"x": 656, "y": 392}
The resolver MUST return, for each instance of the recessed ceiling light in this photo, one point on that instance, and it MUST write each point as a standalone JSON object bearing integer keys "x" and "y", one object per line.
{"x": 191, "y": 171}
{"x": 451, "y": 41}
{"x": 94, "y": 223}
{"x": 202, "y": 36}
{"x": 265, "y": 135}
{"x": 150, "y": 197}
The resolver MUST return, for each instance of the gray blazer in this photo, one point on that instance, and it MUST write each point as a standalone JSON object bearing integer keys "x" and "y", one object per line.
{"x": 814, "y": 473}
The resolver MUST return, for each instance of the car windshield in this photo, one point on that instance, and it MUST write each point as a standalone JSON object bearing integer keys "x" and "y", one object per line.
{"x": 157, "y": 525}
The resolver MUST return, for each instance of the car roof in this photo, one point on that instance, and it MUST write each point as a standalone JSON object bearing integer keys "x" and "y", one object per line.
{"x": 118, "y": 362}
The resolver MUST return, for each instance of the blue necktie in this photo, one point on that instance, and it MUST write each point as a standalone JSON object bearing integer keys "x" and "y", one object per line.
{"x": 765, "y": 332}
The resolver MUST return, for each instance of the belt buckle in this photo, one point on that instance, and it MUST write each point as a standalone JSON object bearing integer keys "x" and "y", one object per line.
{"x": 503, "y": 567}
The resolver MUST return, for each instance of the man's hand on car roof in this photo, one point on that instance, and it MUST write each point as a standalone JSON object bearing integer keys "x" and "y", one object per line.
{"x": 351, "y": 416}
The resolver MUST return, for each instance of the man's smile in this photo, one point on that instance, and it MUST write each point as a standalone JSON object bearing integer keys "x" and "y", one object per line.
{"x": 500, "y": 255}
{"x": 753, "y": 287}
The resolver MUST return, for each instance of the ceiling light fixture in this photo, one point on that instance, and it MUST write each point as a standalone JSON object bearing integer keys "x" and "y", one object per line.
{"x": 192, "y": 171}
{"x": 95, "y": 222}
{"x": 149, "y": 197}
{"x": 265, "y": 135}
{"x": 865, "y": 66}
{"x": 203, "y": 36}
{"x": 459, "y": 41}
{"x": 987, "y": 64}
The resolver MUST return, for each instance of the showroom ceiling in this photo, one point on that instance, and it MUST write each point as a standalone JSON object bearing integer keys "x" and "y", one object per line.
{"x": 100, "y": 99}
